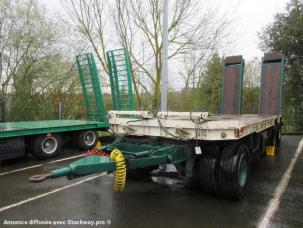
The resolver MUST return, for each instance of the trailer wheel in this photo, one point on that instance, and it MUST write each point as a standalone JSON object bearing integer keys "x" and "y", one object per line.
{"x": 208, "y": 169}
{"x": 86, "y": 140}
{"x": 234, "y": 171}
{"x": 278, "y": 137}
{"x": 275, "y": 137}
{"x": 47, "y": 146}
{"x": 262, "y": 146}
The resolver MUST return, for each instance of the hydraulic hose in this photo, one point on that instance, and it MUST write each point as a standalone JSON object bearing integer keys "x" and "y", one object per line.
{"x": 120, "y": 173}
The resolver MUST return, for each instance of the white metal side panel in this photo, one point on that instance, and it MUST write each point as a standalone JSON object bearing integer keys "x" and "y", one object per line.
{"x": 225, "y": 127}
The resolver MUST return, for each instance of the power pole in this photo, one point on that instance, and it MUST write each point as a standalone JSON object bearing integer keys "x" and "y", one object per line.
{"x": 164, "y": 73}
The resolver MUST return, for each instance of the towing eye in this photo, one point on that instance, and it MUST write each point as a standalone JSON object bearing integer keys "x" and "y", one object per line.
{"x": 120, "y": 173}
{"x": 40, "y": 178}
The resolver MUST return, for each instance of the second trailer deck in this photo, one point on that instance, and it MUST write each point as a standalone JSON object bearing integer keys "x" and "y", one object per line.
{"x": 13, "y": 129}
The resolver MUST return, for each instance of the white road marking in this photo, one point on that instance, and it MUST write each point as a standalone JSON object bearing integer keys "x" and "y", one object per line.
{"x": 39, "y": 165}
{"x": 273, "y": 204}
{"x": 65, "y": 159}
{"x": 50, "y": 193}
{"x": 18, "y": 170}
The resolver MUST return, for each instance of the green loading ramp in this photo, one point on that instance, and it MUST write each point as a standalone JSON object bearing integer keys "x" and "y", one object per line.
{"x": 120, "y": 79}
{"x": 90, "y": 83}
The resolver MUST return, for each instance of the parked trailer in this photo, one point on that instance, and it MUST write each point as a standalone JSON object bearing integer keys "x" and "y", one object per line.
{"x": 222, "y": 147}
{"x": 45, "y": 138}
{"x": 213, "y": 150}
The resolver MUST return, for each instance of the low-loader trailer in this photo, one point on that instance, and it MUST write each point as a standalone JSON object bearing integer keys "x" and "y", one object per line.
{"x": 215, "y": 151}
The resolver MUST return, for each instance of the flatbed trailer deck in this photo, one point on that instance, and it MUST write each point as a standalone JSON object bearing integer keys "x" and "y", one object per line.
{"x": 186, "y": 125}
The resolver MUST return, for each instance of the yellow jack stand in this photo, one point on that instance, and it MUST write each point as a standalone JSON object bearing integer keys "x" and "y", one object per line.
{"x": 98, "y": 145}
{"x": 270, "y": 150}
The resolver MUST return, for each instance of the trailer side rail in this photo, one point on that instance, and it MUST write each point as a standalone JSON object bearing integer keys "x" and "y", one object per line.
{"x": 192, "y": 125}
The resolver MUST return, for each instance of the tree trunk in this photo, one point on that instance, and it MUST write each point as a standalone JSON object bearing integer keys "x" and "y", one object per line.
{"x": 2, "y": 111}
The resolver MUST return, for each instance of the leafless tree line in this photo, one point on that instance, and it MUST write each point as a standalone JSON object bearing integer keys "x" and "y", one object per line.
{"x": 196, "y": 31}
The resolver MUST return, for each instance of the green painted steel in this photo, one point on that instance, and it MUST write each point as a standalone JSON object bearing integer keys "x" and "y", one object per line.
{"x": 90, "y": 83}
{"x": 120, "y": 75}
{"x": 12, "y": 129}
{"x": 241, "y": 85}
{"x": 242, "y": 173}
{"x": 144, "y": 155}
{"x": 86, "y": 166}
{"x": 136, "y": 155}
{"x": 282, "y": 82}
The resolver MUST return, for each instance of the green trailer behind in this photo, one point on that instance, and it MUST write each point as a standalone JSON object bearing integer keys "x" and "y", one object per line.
{"x": 45, "y": 138}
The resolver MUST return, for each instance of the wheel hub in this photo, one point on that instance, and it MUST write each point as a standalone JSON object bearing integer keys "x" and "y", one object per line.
{"x": 89, "y": 138}
{"x": 242, "y": 172}
{"x": 49, "y": 145}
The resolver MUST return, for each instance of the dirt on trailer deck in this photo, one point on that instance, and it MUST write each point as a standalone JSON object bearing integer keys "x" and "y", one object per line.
{"x": 161, "y": 202}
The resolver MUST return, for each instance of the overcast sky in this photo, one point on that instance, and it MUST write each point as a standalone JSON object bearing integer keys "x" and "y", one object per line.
{"x": 253, "y": 15}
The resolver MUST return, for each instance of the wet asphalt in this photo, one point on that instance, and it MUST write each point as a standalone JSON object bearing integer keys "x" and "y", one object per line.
{"x": 163, "y": 202}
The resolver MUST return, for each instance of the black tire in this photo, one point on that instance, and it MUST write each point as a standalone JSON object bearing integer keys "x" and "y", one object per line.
{"x": 208, "y": 169}
{"x": 12, "y": 148}
{"x": 277, "y": 133}
{"x": 275, "y": 138}
{"x": 47, "y": 146}
{"x": 278, "y": 138}
{"x": 86, "y": 140}
{"x": 234, "y": 171}
{"x": 262, "y": 146}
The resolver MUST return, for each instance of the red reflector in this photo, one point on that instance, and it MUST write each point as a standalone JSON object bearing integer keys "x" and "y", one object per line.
{"x": 239, "y": 132}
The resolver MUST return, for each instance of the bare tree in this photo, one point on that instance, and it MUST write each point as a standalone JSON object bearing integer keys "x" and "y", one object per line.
{"x": 194, "y": 33}
{"x": 194, "y": 27}
{"x": 251, "y": 85}
{"x": 252, "y": 73}
{"x": 88, "y": 18}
